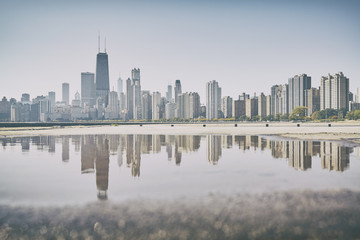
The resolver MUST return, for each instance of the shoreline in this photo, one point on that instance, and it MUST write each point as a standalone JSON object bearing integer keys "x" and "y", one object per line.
{"x": 339, "y": 131}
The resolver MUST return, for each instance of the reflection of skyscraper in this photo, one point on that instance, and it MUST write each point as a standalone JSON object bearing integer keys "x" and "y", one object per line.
{"x": 25, "y": 144}
{"x": 65, "y": 149}
{"x": 213, "y": 148}
{"x": 298, "y": 155}
{"x": 102, "y": 166}
{"x": 334, "y": 157}
{"x": 88, "y": 149}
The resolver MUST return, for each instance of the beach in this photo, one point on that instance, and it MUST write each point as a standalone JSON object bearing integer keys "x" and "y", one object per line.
{"x": 339, "y": 131}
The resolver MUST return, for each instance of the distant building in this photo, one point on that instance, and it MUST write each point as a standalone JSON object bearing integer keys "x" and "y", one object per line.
{"x": 312, "y": 100}
{"x": 280, "y": 99}
{"x": 102, "y": 76}
{"x": 213, "y": 99}
{"x": 52, "y": 100}
{"x": 88, "y": 94}
{"x": 120, "y": 85}
{"x": 177, "y": 89}
{"x": 226, "y": 106}
{"x": 262, "y": 106}
{"x": 156, "y": 97}
{"x": 297, "y": 86}
{"x": 170, "y": 110}
{"x": 66, "y": 93}
{"x": 251, "y": 107}
{"x": 334, "y": 92}
{"x": 238, "y": 108}
{"x": 169, "y": 93}
{"x": 146, "y": 105}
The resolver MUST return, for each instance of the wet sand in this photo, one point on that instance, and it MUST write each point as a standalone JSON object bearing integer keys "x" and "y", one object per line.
{"x": 285, "y": 215}
{"x": 347, "y": 130}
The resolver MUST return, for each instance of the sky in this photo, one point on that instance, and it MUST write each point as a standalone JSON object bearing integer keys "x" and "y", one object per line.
{"x": 247, "y": 46}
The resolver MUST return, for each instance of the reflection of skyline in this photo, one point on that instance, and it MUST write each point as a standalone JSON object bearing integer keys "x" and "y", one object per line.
{"x": 334, "y": 157}
{"x": 96, "y": 151}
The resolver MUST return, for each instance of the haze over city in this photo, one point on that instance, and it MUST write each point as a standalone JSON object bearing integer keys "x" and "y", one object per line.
{"x": 247, "y": 46}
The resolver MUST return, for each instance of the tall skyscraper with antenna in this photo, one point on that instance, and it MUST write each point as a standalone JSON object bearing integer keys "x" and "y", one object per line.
{"x": 102, "y": 75}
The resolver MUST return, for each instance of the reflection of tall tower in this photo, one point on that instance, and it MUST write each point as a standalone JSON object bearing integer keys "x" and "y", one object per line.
{"x": 298, "y": 155}
{"x": 65, "y": 148}
{"x": 88, "y": 149}
{"x": 213, "y": 148}
{"x": 102, "y": 167}
{"x": 334, "y": 157}
{"x": 135, "y": 161}
{"x": 177, "y": 152}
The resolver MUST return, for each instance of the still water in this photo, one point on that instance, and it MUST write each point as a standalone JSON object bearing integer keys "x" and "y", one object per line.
{"x": 178, "y": 187}
{"x": 80, "y": 169}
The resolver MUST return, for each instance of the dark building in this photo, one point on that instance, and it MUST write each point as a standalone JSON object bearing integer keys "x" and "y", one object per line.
{"x": 102, "y": 76}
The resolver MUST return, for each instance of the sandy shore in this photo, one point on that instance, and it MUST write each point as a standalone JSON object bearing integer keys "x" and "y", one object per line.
{"x": 349, "y": 130}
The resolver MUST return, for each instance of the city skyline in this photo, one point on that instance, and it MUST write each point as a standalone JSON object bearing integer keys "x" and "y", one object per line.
{"x": 242, "y": 45}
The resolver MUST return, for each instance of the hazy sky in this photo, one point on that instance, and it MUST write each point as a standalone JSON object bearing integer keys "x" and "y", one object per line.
{"x": 247, "y": 46}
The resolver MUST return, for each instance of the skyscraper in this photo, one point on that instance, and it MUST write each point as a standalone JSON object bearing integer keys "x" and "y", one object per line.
{"x": 169, "y": 93}
{"x": 66, "y": 93}
{"x": 102, "y": 76}
{"x": 297, "y": 86}
{"x": 226, "y": 106}
{"x": 52, "y": 99}
{"x": 120, "y": 85}
{"x": 88, "y": 89}
{"x": 213, "y": 99}
{"x": 129, "y": 99}
{"x": 334, "y": 92}
{"x": 136, "y": 88}
{"x": 177, "y": 89}
{"x": 156, "y": 97}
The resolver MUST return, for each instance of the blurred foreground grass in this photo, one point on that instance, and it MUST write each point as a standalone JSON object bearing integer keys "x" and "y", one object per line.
{"x": 280, "y": 215}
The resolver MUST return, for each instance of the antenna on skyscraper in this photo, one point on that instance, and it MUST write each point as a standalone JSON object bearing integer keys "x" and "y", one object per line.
{"x": 105, "y": 44}
{"x": 99, "y": 41}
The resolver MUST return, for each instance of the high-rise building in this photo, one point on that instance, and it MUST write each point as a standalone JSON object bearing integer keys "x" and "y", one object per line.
{"x": 169, "y": 93}
{"x": 312, "y": 100}
{"x": 136, "y": 87}
{"x": 251, "y": 107}
{"x": 238, "y": 108}
{"x": 102, "y": 76}
{"x": 120, "y": 85}
{"x": 177, "y": 89}
{"x": 129, "y": 99}
{"x": 213, "y": 99}
{"x": 170, "y": 108}
{"x": 280, "y": 99}
{"x": 113, "y": 106}
{"x": 156, "y": 97}
{"x": 297, "y": 86}
{"x": 194, "y": 102}
{"x": 357, "y": 96}
{"x": 52, "y": 99}
{"x": 226, "y": 106}
{"x": 262, "y": 106}
{"x": 25, "y": 97}
{"x": 88, "y": 94}
{"x": 334, "y": 92}
{"x": 146, "y": 105}
{"x": 66, "y": 93}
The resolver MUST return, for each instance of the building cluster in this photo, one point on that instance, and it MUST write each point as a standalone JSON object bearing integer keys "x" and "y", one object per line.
{"x": 97, "y": 102}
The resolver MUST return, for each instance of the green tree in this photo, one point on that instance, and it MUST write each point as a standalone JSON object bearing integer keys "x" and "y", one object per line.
{"x": 299, "y": 113}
